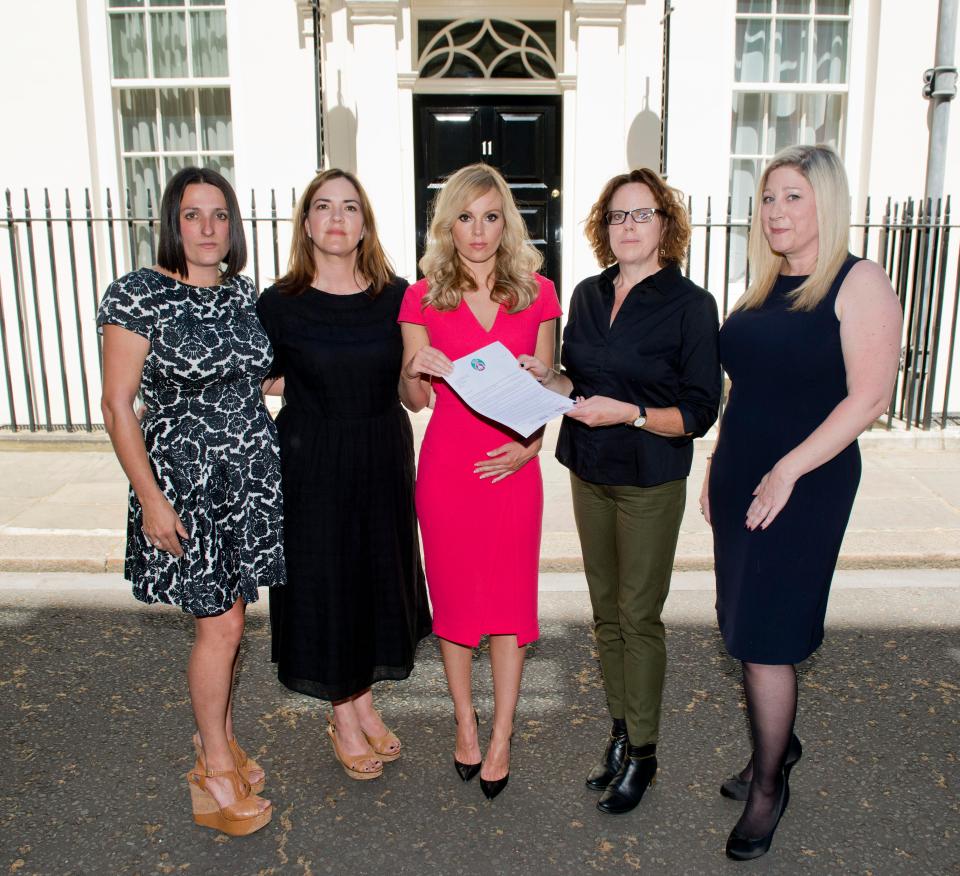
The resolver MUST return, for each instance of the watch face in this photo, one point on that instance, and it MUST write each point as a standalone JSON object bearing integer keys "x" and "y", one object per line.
{"x": 640, "y": 422}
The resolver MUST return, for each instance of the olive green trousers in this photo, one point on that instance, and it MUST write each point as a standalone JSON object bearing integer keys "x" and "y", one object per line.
{"x": 629, "y": 538}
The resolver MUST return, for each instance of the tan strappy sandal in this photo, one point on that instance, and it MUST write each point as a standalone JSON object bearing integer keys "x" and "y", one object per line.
{"x": 245, "y": 764}
{"x": 351, "y": 762}
{"x": 240, "y": 818}
{"x": 387, "y": 747}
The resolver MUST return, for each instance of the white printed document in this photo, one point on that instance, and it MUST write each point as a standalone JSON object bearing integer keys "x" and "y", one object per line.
{"x": 491, "y": 382}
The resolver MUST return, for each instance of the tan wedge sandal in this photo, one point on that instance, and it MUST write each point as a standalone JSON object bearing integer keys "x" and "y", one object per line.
{"x": 245, "y": 764}
{"x": 351, "y": 762}
{"x": 387, "y": 747}
{"x": 240, "y": 818}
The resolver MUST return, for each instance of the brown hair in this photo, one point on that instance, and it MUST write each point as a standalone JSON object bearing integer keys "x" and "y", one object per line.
{"x": 170, "y": 254}
{"x": 372, "y": 264}
{"x": 675, "y": 233}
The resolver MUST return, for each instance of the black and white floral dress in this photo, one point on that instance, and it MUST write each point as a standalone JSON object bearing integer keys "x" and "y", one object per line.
{"x": 209, "y": 438}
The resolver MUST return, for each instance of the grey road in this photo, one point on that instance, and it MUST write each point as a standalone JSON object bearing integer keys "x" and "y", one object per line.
{"x": 95, "y": 728}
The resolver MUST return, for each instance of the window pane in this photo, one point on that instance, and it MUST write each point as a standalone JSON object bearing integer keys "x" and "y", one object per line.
{"x": 169, "y": 32}
{"x": 794, "y": 7}
{"x": 215, "y": 123}
{"x": 168, "y": 2}
{"x": 830, "y": 51}
{"x": 824, "y": 119}
{"x": 207, "y": 2}
{"x": 753, "y": 5}
{"x": 176, "y": 162}
{"x": 747, "y": 129}
{"x": 221, "y": 163}
{"x": 142, "y": 177}
{"x": 833, "y": 7}
{"x": 177, "y": 119}
{"x": 752, "y": 41}
{"x": 209, "y": 43}
{"x": 743, "y": 186}
{"x": 138, "y": 120}
{"x": 783, "y": 124}
{"x": 115, "y": 3}
{"x": 790, "y": 52}
{"x": 129, "y": 46}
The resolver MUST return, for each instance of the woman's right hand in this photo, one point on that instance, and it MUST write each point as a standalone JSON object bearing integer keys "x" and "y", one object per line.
{"x": 427, "y": 360}
{"x": 162, "y": 526}
{"x": 705, "y": 495}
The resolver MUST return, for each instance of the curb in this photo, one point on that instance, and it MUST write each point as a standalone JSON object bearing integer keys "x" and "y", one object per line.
{"x": 567, "y": 564}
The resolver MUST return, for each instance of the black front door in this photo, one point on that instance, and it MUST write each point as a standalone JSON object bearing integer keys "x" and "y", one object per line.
{"x": 519, "y": 135}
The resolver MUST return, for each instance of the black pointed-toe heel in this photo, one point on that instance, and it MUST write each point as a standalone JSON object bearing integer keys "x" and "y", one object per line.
{"x": 492, "y": 788}
{"x": 743, "y": 848}
{"x": 736, "y": 788}
{"x": 613, "y": 757}
{"x": 638, "y": 772}
{"x": 467, "y": 771}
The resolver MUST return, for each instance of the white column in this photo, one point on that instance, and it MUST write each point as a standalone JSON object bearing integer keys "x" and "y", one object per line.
{"x": 599, "y": 123}
{"x": 373, "y": 26}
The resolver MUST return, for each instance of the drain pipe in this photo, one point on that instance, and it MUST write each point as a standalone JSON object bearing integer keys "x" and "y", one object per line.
{"x": 940, "y": 87}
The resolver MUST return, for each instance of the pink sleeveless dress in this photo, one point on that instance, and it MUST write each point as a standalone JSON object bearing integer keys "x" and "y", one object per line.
{"x": 481, "y": 541}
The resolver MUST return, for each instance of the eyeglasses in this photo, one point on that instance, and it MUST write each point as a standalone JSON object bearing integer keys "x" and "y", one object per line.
{"x": 640, "y": 215}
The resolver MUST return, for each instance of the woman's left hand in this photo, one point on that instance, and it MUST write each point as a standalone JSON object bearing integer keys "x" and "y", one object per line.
{"x": 505, "y": 460}
{"x": 598, "y": 410}
{"x": 770, "y": 496}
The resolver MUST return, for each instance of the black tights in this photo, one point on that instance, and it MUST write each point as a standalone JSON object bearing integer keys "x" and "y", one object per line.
{"x": 771, "y": 692}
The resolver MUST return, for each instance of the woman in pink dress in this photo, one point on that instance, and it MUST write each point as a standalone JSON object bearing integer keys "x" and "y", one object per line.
{"x": 479, "y": 493}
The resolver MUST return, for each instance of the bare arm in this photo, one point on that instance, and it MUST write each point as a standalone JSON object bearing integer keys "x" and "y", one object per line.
{"x": 124, "y": 353}
{"x": 508, "y": 458}
{"x": 273, "y": 386}
{"x": 870, "y": 331}
{"x": 420, "y": 363}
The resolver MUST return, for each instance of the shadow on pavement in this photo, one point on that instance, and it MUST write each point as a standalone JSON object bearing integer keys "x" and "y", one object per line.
{"x": 96, "y": 727}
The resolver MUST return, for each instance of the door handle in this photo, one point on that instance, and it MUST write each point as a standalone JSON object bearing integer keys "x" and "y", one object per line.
{"x": 555, "y": 193}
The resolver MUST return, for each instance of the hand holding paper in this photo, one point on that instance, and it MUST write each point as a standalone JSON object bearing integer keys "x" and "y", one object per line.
{"x": 491, "y": 382}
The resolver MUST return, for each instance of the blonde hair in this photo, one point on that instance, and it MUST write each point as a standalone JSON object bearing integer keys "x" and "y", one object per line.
{"x": 517, "y": 260}
{"x": 823, "y": 169}
{"x": 372, "y": 265}
{"x": 675, "y": 225}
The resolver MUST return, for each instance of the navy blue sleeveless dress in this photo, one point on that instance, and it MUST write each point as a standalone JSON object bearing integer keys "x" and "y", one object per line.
{"x": 787, "y": 374}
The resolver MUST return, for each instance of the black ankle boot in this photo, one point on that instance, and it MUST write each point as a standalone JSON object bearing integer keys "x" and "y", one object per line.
{"x": 613, "y": 756}
{"x": 639, "y": 770}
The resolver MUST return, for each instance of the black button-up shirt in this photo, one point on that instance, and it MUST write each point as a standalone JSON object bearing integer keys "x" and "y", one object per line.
{"x": 660, "y": 352}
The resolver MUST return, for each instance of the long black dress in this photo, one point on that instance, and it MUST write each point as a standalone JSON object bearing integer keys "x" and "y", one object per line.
{"x": 787, "y": 374}
{"x": 209, "y": 439}
{"x": 355, "y": 605}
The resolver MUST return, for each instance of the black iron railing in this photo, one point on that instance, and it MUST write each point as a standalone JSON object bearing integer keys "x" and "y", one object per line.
{"x": 54, "y": 265}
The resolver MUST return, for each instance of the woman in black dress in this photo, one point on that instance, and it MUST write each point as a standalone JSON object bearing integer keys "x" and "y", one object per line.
{"x": 355, "y": 605}
{"x": 204, "y": 525}
{"x": 641, "y": 345}
{"x": 811, "y": 350}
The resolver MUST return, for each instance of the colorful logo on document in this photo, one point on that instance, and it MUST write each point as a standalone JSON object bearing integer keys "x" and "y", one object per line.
{"x": 478, "y": 364}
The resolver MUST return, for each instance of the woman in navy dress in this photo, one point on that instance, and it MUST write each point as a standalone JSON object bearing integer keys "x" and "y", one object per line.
{"x": 204, "y": 528}
{"x": 811, "y": 351}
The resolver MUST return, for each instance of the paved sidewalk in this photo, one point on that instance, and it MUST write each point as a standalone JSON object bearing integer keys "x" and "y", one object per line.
{"x": 63, "y": 506}
{"x": 96, "y": 724}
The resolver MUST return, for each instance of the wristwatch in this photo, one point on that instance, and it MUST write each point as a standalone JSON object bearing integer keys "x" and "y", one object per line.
{"x": 641, "y": 421}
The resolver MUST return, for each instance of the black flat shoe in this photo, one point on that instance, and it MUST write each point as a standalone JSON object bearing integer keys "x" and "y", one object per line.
{"x": 613, "y": 756}
{"x": 467, "y": 771}
{"x": 492, "y": 788}
{"x": 742, "y": 848}
{"x": 638, "y": 772}
{"x": 736, "y": 788}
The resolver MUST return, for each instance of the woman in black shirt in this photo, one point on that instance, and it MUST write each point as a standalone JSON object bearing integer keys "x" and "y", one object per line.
{"x": 640, "y": 354}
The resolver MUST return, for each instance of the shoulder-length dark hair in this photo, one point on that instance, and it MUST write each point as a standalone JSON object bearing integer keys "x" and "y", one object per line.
{"x": 371, "y": 266}
{"x": 675, "y": 231}
{"x": 170, "y": 253}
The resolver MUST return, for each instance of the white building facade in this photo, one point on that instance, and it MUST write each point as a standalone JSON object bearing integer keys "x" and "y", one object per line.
{"x": 561, "y": 94}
